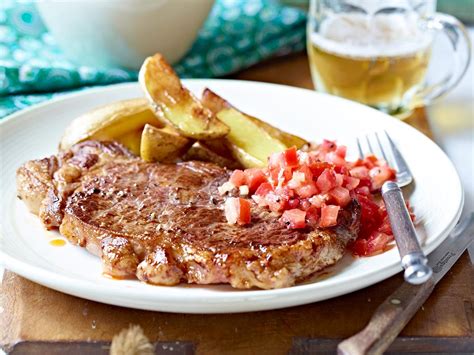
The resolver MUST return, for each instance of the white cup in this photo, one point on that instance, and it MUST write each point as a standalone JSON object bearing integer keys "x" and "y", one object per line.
{"x": 122, "y": 33}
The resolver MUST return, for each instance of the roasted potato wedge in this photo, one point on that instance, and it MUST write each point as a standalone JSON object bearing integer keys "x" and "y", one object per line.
{"x": 219, "y": 146}
{"x": 117, "y": 121}
{"x": 131, "y": 140}
{"x": 162, "y": 144}
{"x": 203, "y": 153}
{"x": 177, "y": 105}
{"x": 216, "y": 103}
{"x": 250, "y": 143}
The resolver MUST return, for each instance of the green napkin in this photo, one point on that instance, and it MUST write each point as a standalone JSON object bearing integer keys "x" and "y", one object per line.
{"x": 236, "y": 35}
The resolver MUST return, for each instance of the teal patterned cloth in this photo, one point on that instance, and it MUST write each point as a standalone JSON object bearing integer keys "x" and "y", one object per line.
{"x": 236, "y": 35}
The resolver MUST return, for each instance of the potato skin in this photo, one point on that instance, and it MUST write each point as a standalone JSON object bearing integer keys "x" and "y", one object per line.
{"x": 216, "y": 103}
{"x": 203, "y": 153}
{"x": 250, "y": 140}
{"x": 110, "y": 122}
{"x": 162, "y": 145}
{"x": 177, "y": 104}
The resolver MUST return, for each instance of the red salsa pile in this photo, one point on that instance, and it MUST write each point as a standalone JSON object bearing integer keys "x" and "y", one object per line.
{"x": 309, "y": 188}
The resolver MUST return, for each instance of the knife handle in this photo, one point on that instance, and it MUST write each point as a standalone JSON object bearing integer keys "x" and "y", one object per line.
{"x": 388, "y": 320}
{"x": 413, "y": 260}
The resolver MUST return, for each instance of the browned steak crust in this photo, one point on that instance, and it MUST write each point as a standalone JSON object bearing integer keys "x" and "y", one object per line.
{"x": 45, "y": 184}
{"x": 165, "y": 224}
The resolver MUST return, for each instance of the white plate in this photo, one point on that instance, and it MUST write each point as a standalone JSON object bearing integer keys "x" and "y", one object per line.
{"x": 34, "y": 133}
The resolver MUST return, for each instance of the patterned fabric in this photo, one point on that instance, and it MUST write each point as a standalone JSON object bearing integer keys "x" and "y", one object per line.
{"x": 237, "y": 34}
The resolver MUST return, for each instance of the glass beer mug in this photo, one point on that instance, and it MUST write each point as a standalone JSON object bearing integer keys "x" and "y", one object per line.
{"x": 377, "y": 51}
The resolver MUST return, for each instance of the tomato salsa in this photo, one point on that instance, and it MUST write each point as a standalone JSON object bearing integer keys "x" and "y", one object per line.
{"x": 308, "y": 188}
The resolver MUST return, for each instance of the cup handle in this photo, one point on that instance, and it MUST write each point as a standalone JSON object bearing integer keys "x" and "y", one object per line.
{"x": 461, "y": 45}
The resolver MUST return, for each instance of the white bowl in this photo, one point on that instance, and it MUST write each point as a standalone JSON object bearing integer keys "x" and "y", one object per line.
{"x": 122, "y": 33}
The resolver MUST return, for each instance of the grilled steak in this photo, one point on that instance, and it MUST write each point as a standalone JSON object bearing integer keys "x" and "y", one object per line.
{"x": 165, "y": 224}
{"x": 45, "y": 184}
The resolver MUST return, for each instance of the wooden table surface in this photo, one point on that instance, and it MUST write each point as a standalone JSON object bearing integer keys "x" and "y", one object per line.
{"x": 33, "y": 312}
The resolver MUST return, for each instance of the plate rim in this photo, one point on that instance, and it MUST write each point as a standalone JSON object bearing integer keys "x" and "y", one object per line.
{"x": 41, "y": 275}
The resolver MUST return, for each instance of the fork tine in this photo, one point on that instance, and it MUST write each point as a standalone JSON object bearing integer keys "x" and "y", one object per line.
{"x": 371, "y": 150}
{"x": 381, "y": 147}
{"x": 361, "y": 154}
{"x": 398, "y": 158}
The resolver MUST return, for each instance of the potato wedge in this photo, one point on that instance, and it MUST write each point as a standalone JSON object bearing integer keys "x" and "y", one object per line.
{"x": 162, "y": 145}
{"x": 179, "y": 107}
{"x": 202, "y": 153}
{"x": 110, "y": 122}
{"x": 250, "y": 143}
{"x": 131, "y": 140}
{"x": 216, "y": 103}
{"x": 219, "y": 146}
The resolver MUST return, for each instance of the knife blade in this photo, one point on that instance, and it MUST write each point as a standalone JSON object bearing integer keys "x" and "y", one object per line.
{"x": 397, "y": 309}
{"x": 445, "y": 256}
{"x": 470, "y": 249}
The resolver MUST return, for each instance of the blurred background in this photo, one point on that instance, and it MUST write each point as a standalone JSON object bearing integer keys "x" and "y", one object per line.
{"x": 49, "y": 47}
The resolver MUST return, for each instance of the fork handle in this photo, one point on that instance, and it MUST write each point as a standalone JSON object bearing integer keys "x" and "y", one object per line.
{"x": 413, "y": 260}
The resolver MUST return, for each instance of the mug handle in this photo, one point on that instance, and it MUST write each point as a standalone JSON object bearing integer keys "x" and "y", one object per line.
{"x": 461, "y": 45}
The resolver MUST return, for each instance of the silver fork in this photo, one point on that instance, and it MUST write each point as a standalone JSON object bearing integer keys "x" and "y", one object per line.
{"x": 412, "y": 257}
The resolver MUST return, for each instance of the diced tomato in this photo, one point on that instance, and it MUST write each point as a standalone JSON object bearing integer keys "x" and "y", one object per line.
{"x": 341, "y": 150}
{"x": 378, "y": 242}
{"x": 260, "y": 194}
{"x": 350, "y": 183}
{"x": 385, "y": 226}
{"x": 327, "y": 146}
{"x": 329, "y": 216}
{"x": 363, "y": 190}
{"x": 359, "y": 247}
{"x": 334, "y": 158}
{"x": 318, "y": 200}
{"x": 307, "y": 190}
{"x": 342, "y": 170}
{"x": 285, "y": 191}
{"x": 237, "y": 178}
{"x": 307, "y": 172}
{"x": 305, "y": 204}
{"x": 294, "y": 218}
{"x": 291, "y": 158}
{"x": 300, "y": 177}
{"x": 237, "y": 210}
{"x": 276, "y": 202}
{"x": 303, "y": 158}
{"x": 276, "y": 161}
{"x": 312, "y": 216}
{"x": 284, "y": 175}
{"x": 326, "y": 181}
{"x": 375, "y": 245}
{"x": 254, "y": 177}
{"x": 339, "y": 179}
{"x": 360, "y": 172}
{"x": 294, "y": 203}
{"x": 278, "y": 176}
{"x": 370, "y": 216}
{"x": 297, "y": 180}
{"x": 341, "y": 196}
{"x": 370, "y": 161}
{"x": 286, "y": 159}
{"x": 379, "y": 175}
{"x": 264, "y": 189}
{"x": 318, "y": 167}
{"x": 365, "y": 182}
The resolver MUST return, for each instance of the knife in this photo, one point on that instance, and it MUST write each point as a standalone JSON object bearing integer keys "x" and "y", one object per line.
{"x": 397, "y": 309}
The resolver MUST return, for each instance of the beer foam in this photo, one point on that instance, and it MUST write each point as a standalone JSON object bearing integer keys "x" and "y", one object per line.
{"x": 366, "y": 36}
